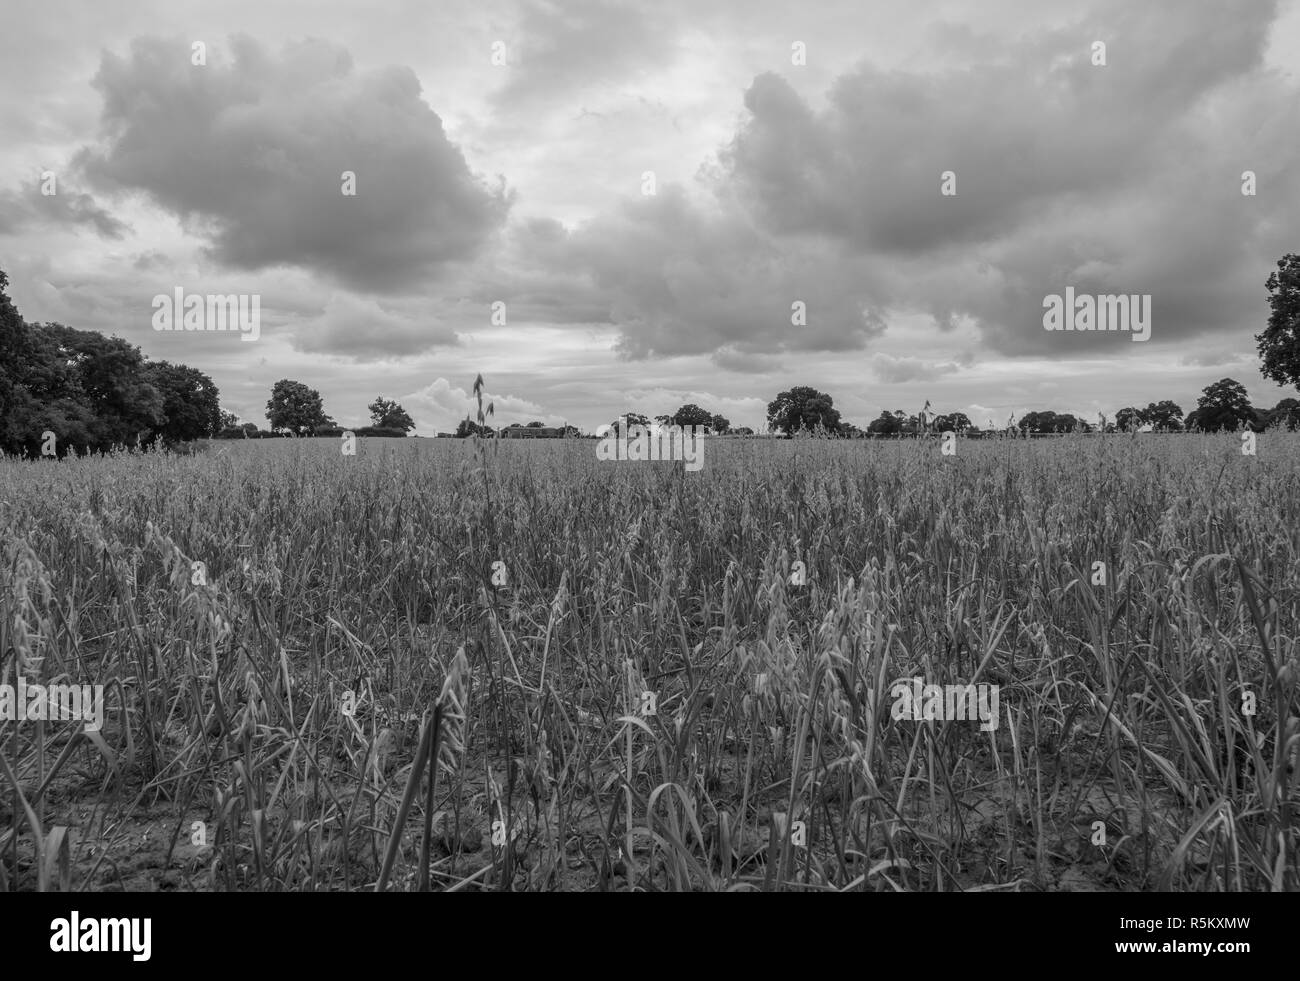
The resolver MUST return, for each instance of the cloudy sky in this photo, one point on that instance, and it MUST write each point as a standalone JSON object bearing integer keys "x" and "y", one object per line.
{"x": 645, "y": 191}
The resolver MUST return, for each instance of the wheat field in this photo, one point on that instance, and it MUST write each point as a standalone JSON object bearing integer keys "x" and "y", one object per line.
{"x": 469, "y": 665}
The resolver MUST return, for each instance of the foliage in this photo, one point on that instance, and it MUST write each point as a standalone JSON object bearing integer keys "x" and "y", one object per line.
{"x": 953, "y": 422}
{"x": 92, "y": 392}
{"x": 191, "y": 406}
{"x": 1222, "y": 406}
{"x": 387, "y": 414}
{"x": 295, "y": 408}
{"x": 802, "y": 407}
{"x": 634, "y": 419}
{"x": 1279, "y": 342}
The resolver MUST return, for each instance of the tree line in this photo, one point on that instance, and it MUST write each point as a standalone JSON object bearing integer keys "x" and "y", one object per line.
{"x": 1222, "y": 406}
{"x": 296, "y": 410}
{"x": 95, "y": 392}
{"x": 92, "y": 392}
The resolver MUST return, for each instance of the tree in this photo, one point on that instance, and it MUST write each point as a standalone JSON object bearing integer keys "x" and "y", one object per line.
{"x": 1286, "y": 414}
{"x": 18, "y": 409}
{"x": 1163, "y": 416}
{"x": 92, "y": 392}
{"x": 114, "y": 400}
{"x": 1223, "y": 405}
{"x": 40, "y": 391}
{"x": 1038, "y": 422}
{"x": 743, "y": 431}
{"x": 1128, "y": 418}
{"x": 719, "y": 424}
{"x": 1279, "y": 343}
{"x": 691, "y": 415}
{"x": 887, "y": 424}
{"x": 467, "y": 428}
{"x": 955, "y": 422}
{"x": 802, "y": 408}
{"x": 1053, "y": 422}
{"x": 191, "y": 407}
{"x": 634, "y": 419}
{"x": 387, "y": 414}
{"x": 295, "y": 408}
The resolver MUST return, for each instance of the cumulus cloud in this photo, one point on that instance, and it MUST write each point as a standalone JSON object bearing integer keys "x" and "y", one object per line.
{"x": 533, "y": 272}
{"x": 366, "y": 330}
{"x": 149, "y": 261}
{"x": 891, "y": 369}
{"x": 1122, "y": 178}
{"x": 556, "y": 51}
{"x": 249, "y": 155}
{"x": 1115, "y": 179}
{"x": 1220, "y": 358}
{"x": 818, "y": 183}
{"x": 680, "y": 276}
{"x": 730, "y": 359}
{"x": 447, "y": 405}
{"x": 26, "y": 207}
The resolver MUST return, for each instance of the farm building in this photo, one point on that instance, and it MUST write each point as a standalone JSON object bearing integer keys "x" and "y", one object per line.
{"x": 532, "y": 432}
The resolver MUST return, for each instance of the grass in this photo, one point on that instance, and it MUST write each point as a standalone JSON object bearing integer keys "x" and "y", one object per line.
{"x": 352, "y": 695}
